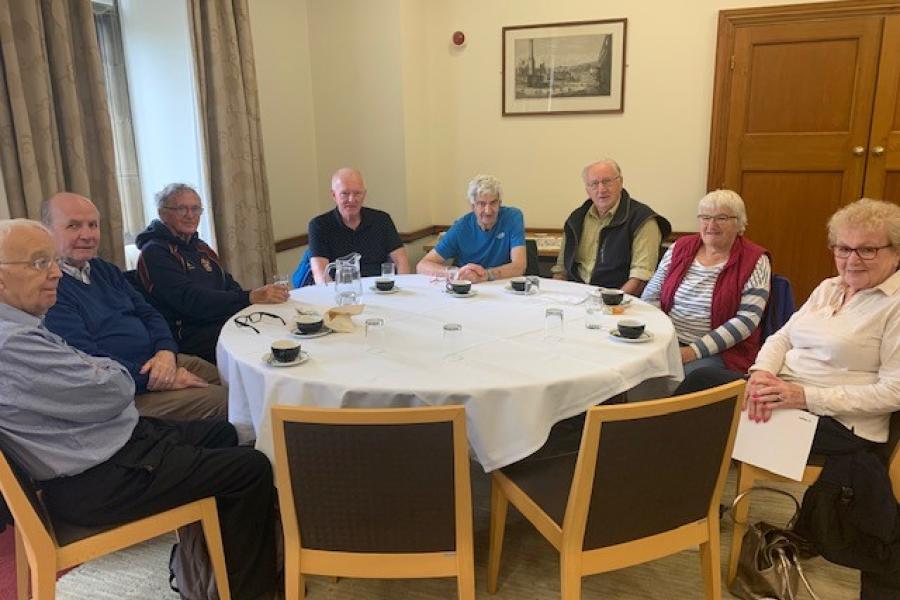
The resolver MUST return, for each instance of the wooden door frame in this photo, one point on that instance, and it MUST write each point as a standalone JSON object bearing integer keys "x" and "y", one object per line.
{"x": 729, "y": 21}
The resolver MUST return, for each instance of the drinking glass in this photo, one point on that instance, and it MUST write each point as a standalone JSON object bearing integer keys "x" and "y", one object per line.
{"x": 282, "y": 280}
{"x": 387, "y": 270}
{"x": 534, "y": 282}
{"x": 452, "y": 342}
{"x": 553, "y": 324}
{"x": 452, "y": 274}
{"x": 593, "y": 316}
{"x": 375, "y": 335}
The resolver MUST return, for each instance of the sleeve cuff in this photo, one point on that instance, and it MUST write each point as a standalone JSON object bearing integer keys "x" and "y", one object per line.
{"x": 640, "y": 273}
{"x": 815, "y": 400}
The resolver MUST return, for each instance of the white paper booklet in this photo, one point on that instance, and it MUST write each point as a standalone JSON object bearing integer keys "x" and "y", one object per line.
{"x": 780, "y": 445}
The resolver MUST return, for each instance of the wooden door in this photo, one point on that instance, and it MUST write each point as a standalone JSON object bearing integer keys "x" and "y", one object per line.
{"x": 799, "y": 116}
{"x": 883, "y": 165}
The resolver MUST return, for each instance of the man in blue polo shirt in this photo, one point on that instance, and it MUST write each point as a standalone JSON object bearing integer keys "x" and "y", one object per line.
{"x": 350, "y": 227}
{"x": 486, "y": 244}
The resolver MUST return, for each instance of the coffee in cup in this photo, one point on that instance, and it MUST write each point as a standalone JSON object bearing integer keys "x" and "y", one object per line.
{"x": 384, "y": 285}
{"x": 307, "y": 324}
{"x": 612, "y": 297}
{"x": 285, "y": 351}
{"x": 519, "y": 284}
{"x": 461, "y": 286}
{"x": 631, "y": 328}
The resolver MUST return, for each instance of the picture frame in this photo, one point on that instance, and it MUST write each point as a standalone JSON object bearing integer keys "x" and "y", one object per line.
{"x": 564, "y": 68}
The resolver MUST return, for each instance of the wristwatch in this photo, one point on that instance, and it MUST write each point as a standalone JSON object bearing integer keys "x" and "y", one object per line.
{"x": 490, "y": 275}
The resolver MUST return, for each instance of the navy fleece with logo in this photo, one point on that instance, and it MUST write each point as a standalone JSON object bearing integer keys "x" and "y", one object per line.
{"x": 185, "y": 281}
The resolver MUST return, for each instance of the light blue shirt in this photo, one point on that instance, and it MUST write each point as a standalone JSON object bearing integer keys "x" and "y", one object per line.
{"x": 61, "y": 411}
{"x": 467, "y": 242}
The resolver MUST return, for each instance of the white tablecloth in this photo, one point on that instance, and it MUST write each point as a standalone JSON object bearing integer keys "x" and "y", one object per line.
{"x": 514, "y": 384}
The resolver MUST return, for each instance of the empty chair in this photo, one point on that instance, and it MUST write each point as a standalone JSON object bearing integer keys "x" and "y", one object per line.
{"x": 645, "y": 483}
{"x": 45, "y": 546}
{"x": 374, "y": 493}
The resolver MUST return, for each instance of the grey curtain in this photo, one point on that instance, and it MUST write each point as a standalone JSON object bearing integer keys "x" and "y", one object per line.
{"x": 54, "y": 121}
{"x": 229, "y": 105}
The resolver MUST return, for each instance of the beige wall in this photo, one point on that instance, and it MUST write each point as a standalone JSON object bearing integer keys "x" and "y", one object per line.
{"x": 387, "y": 92}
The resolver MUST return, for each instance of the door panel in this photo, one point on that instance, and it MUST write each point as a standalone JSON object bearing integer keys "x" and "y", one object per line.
{"x": 787, "y": 214}
{"x": 883, "y": 168}
{"x": 800, "y": 103}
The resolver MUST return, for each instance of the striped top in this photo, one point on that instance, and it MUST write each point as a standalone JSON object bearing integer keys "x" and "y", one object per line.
{"x": 691, "y": 308}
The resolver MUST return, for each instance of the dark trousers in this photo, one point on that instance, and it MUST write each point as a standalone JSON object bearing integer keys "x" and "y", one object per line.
{"x": 831, "y": 438}
{"x": 165, "y": 465}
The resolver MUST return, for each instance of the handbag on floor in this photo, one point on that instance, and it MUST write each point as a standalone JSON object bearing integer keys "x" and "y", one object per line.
{"x": 190, "y": 570}
{"x": 769, "y": 564}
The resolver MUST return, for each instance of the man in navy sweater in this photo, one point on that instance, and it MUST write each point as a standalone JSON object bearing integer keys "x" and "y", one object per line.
{"x": 101, "y": 314}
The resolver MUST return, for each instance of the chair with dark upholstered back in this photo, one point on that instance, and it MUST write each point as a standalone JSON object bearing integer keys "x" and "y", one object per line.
{"x": 750, "y": 475}
{"x": 532, "y": 258}
{"x": 645, "y": 483}
{"x": 374, "y": 493}
{"x": 45, "y": 546}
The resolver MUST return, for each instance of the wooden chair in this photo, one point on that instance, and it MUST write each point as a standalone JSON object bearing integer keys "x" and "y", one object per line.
{"x": 750, "y": 475}
{"x": 645, "y": 483}
{"x": 45, "y": 546}
{"x": 374, "y": 493}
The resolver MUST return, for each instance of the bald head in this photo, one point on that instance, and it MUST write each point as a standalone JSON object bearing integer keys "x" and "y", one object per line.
{"x": 349, "y": 192}
{"x": 26, "y": 247}
{"x": 74, "y": 222}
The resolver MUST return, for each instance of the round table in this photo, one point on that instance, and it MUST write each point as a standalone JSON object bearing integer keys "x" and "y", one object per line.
{"x": 514, "y": 383}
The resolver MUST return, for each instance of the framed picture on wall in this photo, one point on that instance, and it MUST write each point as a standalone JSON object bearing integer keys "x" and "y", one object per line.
{"x": 564, "y": 68}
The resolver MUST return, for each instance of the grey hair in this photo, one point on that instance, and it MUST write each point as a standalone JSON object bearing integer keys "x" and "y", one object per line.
{"x": 170, "y": 191}
{"x": 602, "y": 161}
{"x": 484, "y": 185}
{"x": 868, "y": 215}
{"x": 10, "y": 226}
{"x": 728, "y": 200}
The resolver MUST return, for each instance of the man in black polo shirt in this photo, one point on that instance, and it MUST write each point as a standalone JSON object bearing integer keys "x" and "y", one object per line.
{"x": 352, "y": 228}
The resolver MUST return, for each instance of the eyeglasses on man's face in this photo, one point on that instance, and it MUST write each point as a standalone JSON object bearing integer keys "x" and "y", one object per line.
{"x": 864, "y": 252}
{"x": 183, "y": 211}
{"x": 255, "y": 317}
{"x": 720, "y": 219}
{"x": 38, "y": 264}
{"x": 605, "y": 182}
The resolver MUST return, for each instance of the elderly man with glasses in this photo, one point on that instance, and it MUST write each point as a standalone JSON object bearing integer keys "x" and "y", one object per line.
{"x": 69, "y": 420}
{"x": 184, "y": 278}
{"x": 101, "y": 314}
{"x": 611, "y": 240}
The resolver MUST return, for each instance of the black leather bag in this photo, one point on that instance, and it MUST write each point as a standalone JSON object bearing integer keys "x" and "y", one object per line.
{"x": 769, "y": 564}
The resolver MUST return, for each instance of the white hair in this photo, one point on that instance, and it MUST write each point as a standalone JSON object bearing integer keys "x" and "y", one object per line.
{"x": 484, "y": 185}
{"x": 602, "y": 161}
{"x": 728, "y": 200}
{"x": 9, "y": 226}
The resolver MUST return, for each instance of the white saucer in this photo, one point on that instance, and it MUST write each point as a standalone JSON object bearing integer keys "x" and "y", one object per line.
{"x": 393, "y": 290}
{"x": 311, "y": 336}
{"x": 645, "y": 337}
{"x": 468, "y": 294}
{"x": 304, "y": 356}
{"x": 531, "y": 292}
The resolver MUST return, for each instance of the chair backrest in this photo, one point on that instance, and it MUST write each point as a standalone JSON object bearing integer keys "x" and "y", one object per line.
{"x": 532, "y": 262}
{"x": 303, "y": 274}
{"x": 651, "y": 467}
{"x": 780, "y": 306}
{"x": 376, "y": 480}
{"x": 20, "y": 496}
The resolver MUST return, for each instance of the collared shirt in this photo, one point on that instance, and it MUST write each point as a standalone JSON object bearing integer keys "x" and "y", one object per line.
{"x": 375, "y": 238}
{"x": 83, "y": 274}
{"x": 61, "y": 411}
{"x": 846, "y": 356}
{"x": 644, "y": 247}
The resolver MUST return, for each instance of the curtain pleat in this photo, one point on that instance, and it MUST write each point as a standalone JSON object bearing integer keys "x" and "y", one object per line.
{"x": 55, "y": 131}
{"x": 229, "y": 104}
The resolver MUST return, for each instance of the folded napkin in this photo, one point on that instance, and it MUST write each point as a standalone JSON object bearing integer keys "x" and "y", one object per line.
{"x": 339, "y": 317}
{"x": 569, "y": 299}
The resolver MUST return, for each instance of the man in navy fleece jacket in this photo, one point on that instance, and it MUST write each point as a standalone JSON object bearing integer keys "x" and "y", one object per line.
{"x": 100, "y": 313}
